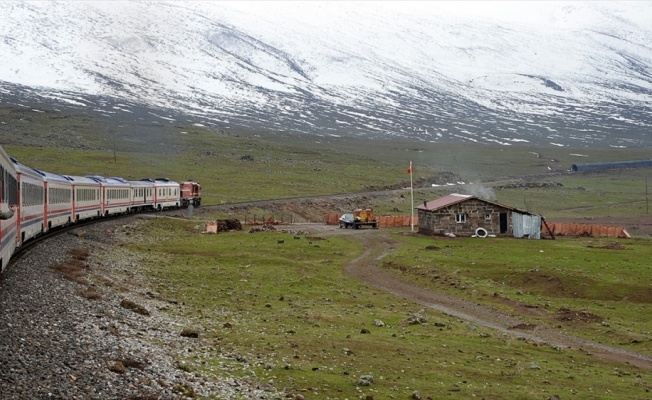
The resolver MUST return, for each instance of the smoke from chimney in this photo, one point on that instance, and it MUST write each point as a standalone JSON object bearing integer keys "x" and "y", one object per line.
{"x": 482, "y": 192}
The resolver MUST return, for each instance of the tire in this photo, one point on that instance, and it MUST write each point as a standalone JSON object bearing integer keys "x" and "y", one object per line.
{"x": 481, "y": 232}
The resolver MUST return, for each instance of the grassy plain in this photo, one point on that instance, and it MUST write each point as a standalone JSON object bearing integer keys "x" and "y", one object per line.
{"x": 247, "y": 173}
{"x": 236, "y": 165}
{"x": 604, "y": 280}
{"x": 286, "y": 314}
{"x": 297, "y": 320}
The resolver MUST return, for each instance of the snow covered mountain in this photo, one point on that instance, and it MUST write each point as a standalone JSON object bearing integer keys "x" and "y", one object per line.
{"x": 549, "y": 73}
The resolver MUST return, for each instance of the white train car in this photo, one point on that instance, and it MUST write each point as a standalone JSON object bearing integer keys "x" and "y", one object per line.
{"x": 142, "y": 195}
{"x": 116, "y": 195}
{"x": 86, "y": 198}
{"x": 31, "y": 202}
{"x": 8, "y": 197}
{"x": 167, "y": 194}
{"x": 58, "y": 200}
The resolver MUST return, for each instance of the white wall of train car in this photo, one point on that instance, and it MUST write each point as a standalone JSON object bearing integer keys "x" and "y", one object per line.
{"x": 58, "y": 200}
{"x": 115, "y": 194}
{"x": 86, "y": 200}
{"x": 142, "y": 198}
{"x": 167, "y": 194}
{"x": 31, "y": 204}
{"x": 8, "y": 197}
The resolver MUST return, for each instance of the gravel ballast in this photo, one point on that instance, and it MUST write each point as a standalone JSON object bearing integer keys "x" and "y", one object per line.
{"x": 68, "y": 335}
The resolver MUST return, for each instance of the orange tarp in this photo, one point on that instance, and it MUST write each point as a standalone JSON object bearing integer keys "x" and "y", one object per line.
{"x": 332, "y": 219}
{"x": 564, "y": 229}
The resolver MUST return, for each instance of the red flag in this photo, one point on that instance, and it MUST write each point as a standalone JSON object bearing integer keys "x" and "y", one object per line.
{"x": 410, "y": 169}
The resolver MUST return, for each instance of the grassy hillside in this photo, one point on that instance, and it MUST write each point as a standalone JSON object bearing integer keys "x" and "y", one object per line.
{"x": 235, "y": 166}
{"x": 285, "y": 313}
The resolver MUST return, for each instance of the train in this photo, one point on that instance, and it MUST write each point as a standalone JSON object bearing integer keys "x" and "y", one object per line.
{"x": 45, "y": 201}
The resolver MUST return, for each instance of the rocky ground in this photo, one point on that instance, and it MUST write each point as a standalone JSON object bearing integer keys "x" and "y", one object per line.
{"x": 64, "y": 337}
{"x": 78, "y": 322}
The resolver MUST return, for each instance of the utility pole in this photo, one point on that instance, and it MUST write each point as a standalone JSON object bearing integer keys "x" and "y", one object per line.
{"x": 269, "y": 170}
{"x": 115, "y": 158}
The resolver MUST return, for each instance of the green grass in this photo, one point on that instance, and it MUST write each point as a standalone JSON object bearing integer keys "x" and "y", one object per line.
{"x": 230, "y": 169}
{"x": 295, "y": 319}
{"x": 237, "y": 165}
{"x": 605, "y": 277}
{"x": 609, "y": 193}
{"x": 293, "y": 311}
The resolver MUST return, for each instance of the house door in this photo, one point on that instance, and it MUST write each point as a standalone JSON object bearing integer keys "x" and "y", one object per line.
{"x": 503, "y": 222}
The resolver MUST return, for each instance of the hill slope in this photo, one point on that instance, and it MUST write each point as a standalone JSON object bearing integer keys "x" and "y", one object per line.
{"x": 570, "y": 74}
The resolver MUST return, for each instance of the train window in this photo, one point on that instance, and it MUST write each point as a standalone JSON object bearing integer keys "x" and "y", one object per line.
{"x": 87, "y": 194}
{"x": 32, "y": 195}
{"x": 8, "y": 186}
{"x": 58, "y": 195}
{"x": 3, "y": 193}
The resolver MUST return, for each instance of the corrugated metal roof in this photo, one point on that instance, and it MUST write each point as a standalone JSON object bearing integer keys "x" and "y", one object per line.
{"x": 455, "y": 198}
{"x": 445, "y": 201}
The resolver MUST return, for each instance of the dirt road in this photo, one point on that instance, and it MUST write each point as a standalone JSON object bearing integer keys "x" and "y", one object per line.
{"x": 378, "y": 243}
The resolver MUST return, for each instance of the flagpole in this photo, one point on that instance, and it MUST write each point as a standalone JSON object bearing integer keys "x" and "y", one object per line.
{"x": 412, "y": 201}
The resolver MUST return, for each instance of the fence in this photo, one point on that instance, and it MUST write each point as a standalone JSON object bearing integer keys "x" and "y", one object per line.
{"x": 565, "y": 229}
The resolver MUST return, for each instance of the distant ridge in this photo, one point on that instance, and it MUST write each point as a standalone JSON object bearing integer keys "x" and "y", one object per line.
{"x": 575, "y": 74}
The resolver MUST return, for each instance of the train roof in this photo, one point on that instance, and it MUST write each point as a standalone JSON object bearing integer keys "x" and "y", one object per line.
{"x": 51, "y": 177}
{"x": 117, "y": 178}
{"x": 142, "y": 183}
{"x": 24, "y": 169}
{"x": 160, "y": 182}
{"x": 82, "y": 180}
{"x": 108, "y": 181}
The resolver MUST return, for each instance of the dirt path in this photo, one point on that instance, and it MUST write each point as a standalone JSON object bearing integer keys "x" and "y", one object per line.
{"x": 378, "y": 244}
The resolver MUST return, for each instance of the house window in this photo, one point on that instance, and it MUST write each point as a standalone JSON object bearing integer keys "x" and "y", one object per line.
{"x": 460, "y": 218}
{"x": 487, "y": 216}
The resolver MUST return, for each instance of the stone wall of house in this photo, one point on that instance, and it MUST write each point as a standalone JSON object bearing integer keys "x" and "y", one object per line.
{"x": 473, "y": 214}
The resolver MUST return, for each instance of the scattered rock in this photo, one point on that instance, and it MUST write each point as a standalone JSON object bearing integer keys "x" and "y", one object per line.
{"x": 189, "y": 332}
{"x": 117, "y": 367}
{"x": 130, "y": 305}
{"x": 365, "y": 380}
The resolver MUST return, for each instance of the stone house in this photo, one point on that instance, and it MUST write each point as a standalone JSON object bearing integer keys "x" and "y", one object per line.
{"x": 467, "y": 215}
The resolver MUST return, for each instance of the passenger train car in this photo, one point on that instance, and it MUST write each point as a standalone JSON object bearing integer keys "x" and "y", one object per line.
{"x": 47, "y": 201}
{"x": 8, "y": 196}
{"x": 31, "y": 197}
{"x": 58, "y": 201}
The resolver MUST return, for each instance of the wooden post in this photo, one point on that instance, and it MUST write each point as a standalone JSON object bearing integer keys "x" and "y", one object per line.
{"x": 547, "y": 227}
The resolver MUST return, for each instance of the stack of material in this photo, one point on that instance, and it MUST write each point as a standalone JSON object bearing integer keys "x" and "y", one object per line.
{"x": 564, "y": 229}
{"x": 223, "y": 225}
